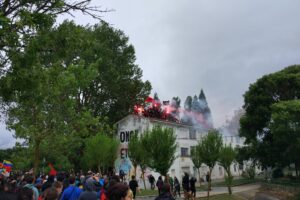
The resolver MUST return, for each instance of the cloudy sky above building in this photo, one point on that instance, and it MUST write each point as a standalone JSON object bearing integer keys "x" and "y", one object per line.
{"x": 220, "y": 46}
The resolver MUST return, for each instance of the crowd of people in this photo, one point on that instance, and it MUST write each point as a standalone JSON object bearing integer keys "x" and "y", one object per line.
{"x": 90, "y": 186}
{"x": 64, "y": 186}
{"x": 188, "y": 185}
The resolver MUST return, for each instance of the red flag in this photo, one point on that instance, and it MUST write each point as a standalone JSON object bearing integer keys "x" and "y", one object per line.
{"x": 52, "y": 170}
{"x": 149, "y": 100}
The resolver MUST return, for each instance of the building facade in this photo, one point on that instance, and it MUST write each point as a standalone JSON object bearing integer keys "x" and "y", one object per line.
{"x": 187, "y": 138}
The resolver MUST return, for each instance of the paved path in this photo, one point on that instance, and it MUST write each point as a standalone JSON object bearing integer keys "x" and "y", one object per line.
{"x": 244, "y": 191}
{"x": 224, "y": 190}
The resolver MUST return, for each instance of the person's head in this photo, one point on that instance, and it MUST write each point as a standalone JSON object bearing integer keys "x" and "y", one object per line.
{"x": 50, "y": 194}
{"x": 72, "y": 180}
{"x": 25, "y": 193}
{"x": 58, "y": 186}
{"x": 119, "y": 191}
{"x": 165, "y": 188}
{"x": 159, "y": 178}
{"x": 133, "y": 177}
{"x": 50, "y": 178}
{"x": 29, "y": 178}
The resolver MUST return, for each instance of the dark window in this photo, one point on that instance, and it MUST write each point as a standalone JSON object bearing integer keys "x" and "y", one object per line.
{"x": 184, "y": 151}
{"x": 192, "y": 133}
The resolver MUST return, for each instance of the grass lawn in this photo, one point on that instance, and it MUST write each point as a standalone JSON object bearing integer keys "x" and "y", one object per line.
{"x": 221, "y": 197}
{"x": 147, "y": 192}
{"x": 235, "y": 182}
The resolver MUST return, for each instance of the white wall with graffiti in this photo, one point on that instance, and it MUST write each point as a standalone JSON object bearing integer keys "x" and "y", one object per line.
{"x": 187, "y": 137}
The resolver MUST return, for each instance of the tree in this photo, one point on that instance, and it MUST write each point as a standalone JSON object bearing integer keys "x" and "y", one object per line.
{"x": 209, "y": 151}
{"x": 197, "y": 159}
{"x": 285, "y": 127}
{"x": 160, "y": 144}
{"x": 41, "y": 105}
{"x": 258, "y": 100}
{"x": 227, "y": 156}
{"x": 138, "y": 154}
{"x": 175, "y": 106}
{"x": 188, "y": 103}
{"x": 22, "y": 19}
{"x": 100, "y": 152}
{"x": 205, "y": 110}
{"x": 63, "y": 85}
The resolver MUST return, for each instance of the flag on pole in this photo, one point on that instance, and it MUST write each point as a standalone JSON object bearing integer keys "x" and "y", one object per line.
{"x": 7, "y": 165}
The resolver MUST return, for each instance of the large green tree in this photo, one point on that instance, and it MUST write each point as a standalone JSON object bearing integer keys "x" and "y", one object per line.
{"x": 71, "y": 80}
{"x": 285, "y": 127}
{"x": 160, "y": 144}
{"x": 100, "y": 152}
{"x": 283, "y": 85}
{"x": 226, "y": 158}
{"x": 209, "y": 150}
{"x": 197, "y": 159}
{"x": 138, "y": 154}
{"x": 20, "y": 20}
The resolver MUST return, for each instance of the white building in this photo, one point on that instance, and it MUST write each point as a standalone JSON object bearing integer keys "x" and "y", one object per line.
{"x": 187, "y": 137}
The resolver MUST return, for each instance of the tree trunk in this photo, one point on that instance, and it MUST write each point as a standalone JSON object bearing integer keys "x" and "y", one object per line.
{"x": 135, "y": 168}
{"x": 199, "y": 176}
{"x": 143, "y": 177}
{"x": 36, "y": 157}
{"x": 229, "y": 182}
{"x": 209, "y": 182}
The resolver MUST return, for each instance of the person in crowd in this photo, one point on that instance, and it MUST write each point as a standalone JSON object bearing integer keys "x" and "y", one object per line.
{"x": 165, "y": 193}
{"x": 48, "y": 183}
{"x": 119, "y": 191}
{"x": 159, "y": 184}
{"x": 29, "y": 179}
{"x": 193, "y": 181}
{"x": 25, "y": 193}
{"x": 176, "y": 187}
{"x": 71, "y": 192}
{"x": 89, "y": 193}
{"x": 58, "y": 186}
{"x": 171, "y": 182}
{"x": 6, "y": 192}
{"x": 133, "y": 185}
{"x": 151, "y": 181}
{"x": 50, "y": 194}
{"x": 186, "y": 185}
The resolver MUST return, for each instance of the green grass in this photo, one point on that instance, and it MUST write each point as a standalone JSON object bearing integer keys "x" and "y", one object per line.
{"x": 235, "y": 182}
{"x": 147, "y": 192}
{"x": 221, "y": 197}
{"x": 284, "y": 182}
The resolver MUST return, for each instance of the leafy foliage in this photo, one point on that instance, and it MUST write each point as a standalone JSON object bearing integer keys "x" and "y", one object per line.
{"x": 227, "y": 156}
{"x": 21, "y": 20}
{"x": 100, "y": 152}
{"x": 255, "y": 124}
{"x": 285, "y": 127}
{"x": 137, "y": 153}
{"x": 209, "y": 150}
{"x": 61, "y": 86}
{"x": 160, "y": 144}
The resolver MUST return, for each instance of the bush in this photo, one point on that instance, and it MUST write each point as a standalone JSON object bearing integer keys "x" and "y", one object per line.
{"x": 277, "y": 173}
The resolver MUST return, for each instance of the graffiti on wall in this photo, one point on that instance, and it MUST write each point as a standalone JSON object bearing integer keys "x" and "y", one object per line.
{"x": 123, "y": 163}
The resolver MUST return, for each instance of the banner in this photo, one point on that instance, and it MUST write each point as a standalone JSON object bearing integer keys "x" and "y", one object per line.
{"x": 7, "y": 165}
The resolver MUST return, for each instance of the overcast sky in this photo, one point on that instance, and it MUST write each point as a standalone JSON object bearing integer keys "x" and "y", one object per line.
{"x": 220, "y": 46}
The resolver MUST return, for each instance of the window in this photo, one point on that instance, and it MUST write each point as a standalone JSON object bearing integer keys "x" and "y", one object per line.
{"x": 241, "y": 167}
{"x": 184, "y": 151}
{"x": 192, "y": 133}
{"x": 234, "y": 167}
{"x": 220, "y": 171}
